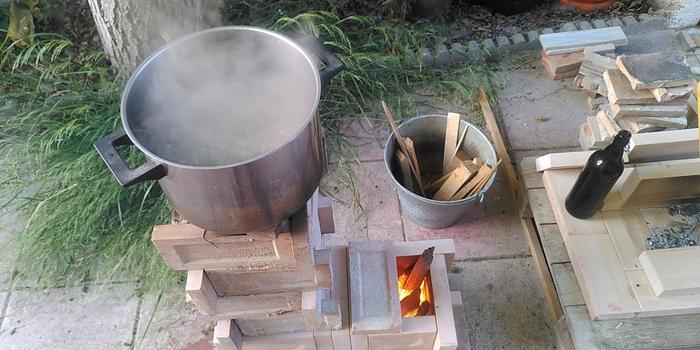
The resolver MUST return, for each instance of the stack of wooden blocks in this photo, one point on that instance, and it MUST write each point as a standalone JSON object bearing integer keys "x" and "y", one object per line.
{"x": 283, "y": 289}
{"x": 563, "y": 53}
{"x": 276, "y": 286}
{"x": 643, "y": 93}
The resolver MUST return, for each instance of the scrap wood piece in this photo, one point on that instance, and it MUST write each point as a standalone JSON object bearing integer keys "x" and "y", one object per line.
{"x": 402, "y": 145}
{"x": 564, "y": 62}
{"x": 480, "y": 185}
{"x": 485, "y": 172}
{"x": 655, "y": 70}
{"x": 453, "y": 183}
{"x": 667, "y": 94}
{"x": 405, "y": 165}
{"x": 565, "y": 42}
{"x": 501, "y": 150}
{"x": 601, "y": 49}
{"x": 672, "y": 272}
{"x": 670, "y": 110}
{"x": 454, "y": 159}
{"x": 414, "y": 160}
{"x": 665, "y": 122}
{"x": 620, "y": 91}
{"x": 411, "y": 279}
{"x": 637, "y": 127}
{"x": 451, "y": 135}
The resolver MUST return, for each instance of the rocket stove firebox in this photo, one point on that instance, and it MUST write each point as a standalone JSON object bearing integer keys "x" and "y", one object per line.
{"x": 283, "y": 289}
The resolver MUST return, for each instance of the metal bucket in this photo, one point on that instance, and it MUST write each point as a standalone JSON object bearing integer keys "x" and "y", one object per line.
{"x": 428, "y": 135}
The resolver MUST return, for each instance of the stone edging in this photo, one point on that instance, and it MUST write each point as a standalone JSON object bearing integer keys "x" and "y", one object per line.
{"x": 443, "y": 56}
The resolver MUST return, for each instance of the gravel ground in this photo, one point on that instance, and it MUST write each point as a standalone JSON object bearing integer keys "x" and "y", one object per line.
{"x": 475, "y": 22}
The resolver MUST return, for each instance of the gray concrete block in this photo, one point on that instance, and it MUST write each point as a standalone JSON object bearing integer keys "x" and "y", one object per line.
{"x": 629, "y": 20}
{"x": 473, "y": 47}
{"x": 502, "y": 41}
{"x": 568, "y": 27}
{"x": 442, "y": 55}
{"x": 615, "y": 22}
{"x": 69, "y": 318}
{"x": 547, "y": 31}
{"x": 518, "y": 39}
{"x": 533, "y": 35}
{"x": 489, "y": 45}
{"x": 425, "y": 56}
{"x": 599, "y": 23}
{"x": 583, "y": 25}
{"x": 458, "y": 54}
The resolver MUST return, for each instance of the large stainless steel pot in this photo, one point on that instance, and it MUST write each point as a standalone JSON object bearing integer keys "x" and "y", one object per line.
{"x": 227, "y": 120}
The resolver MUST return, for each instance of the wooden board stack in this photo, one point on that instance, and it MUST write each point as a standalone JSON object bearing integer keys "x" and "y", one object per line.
{"x": 645, "y": 93}
{"x": 563, "y": 53}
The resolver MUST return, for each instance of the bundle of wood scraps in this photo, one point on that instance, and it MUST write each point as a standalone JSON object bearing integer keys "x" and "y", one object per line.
{"x": 563, "y": 54}
{"x": 643, "y": 93}
{"x": 462, "y": 175}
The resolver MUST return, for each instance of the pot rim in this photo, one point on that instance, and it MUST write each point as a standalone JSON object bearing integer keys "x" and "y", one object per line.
{"x": 152, "y": 57}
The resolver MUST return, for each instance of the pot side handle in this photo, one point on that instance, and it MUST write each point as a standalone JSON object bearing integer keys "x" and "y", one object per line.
{"x": 333, "y": 65}
{"x": 116, "y": 164}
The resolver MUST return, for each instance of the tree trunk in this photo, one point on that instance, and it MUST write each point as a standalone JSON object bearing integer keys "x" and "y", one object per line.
{"x": 133, "y": 29}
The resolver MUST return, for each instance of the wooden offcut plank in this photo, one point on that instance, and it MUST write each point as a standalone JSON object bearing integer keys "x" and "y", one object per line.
{"x": 654, "y": 184}
{"x": 563, "y": 63}
{"x": 550, "y": 291}
{"x": 453, "y": 183}
{"x": 673, "y": 272}
{"x": 665, "y": 122}
{"x": 664, "y": 145}
{"x": 451, "y": 136}
{"x": 575, "y": 41}
{"x": 628, "y": 232}
{"x": 653, "y": 306}
{"x": 498, "y": 143}
{"x": 621, "y": 111}
{"x": 620, "y": 90}
{"x": 558, "y": 184}
{"x": 602, "y": 277}
{"x": 664, "y": 94}
{"x": 655, "y": 70}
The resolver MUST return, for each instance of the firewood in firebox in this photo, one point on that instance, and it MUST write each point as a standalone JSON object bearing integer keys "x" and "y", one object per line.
{"x": 411, "y": 279}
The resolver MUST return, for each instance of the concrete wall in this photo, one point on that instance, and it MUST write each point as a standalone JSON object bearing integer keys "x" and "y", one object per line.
{"x": 680, "y": 13}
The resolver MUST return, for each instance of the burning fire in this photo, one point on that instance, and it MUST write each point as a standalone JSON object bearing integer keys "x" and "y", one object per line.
{"x": 414, "y": 292}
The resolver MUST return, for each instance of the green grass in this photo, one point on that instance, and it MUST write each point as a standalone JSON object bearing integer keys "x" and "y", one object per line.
{"x": 55, "y": 102}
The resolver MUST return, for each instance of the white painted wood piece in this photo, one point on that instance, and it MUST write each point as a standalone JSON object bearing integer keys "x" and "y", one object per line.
{"x": 673, "y": 272}
{"x": 664, "y": 145}
{"x": 417, "y": 333}
{"x": 655, "y": 184}
{"x": 564, "y": 160}
{"x": 200, "y": 290}
{"x": 628, "y": 232}
{"x": 653, "y": 306}
{"x": 442, "y": 300}
{"x": 460, "y": 321}
{"x": 444, "y": 247}
{"x": 576, "y": 41}
{"x": 558, "y": 184}
{"x": 602, "y": 277}
{"x": 227, "y": 336}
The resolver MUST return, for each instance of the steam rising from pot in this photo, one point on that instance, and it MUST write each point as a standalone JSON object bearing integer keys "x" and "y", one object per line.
{"x": 221, "y": 97}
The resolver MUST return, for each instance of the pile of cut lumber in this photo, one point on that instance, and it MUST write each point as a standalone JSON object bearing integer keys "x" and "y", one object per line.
{"x": 642, "y": 93}
{"x": 563, "y": 53}
{"x": 461, "y": 175}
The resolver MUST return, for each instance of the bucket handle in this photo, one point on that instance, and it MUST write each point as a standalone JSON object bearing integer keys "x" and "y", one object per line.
{"x": 333, "y": 65}
{"x": 106, "y": 147}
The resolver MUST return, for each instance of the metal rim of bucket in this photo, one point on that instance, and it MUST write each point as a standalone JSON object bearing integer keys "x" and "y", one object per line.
{"x": 387, "y": 159}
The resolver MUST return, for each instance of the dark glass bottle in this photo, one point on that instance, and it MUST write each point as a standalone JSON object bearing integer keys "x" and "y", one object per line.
{"x": 596, "y": 180}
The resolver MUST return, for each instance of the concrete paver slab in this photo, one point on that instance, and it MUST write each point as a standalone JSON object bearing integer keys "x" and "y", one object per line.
{"x": 169, "y": 324}
{"x": 366, "y": 137}
{"x": 11, "y": 225}
{"x": 539, "y": 113}
{"x": 69, "y": 318}
{"x": 491, "y": 229}
{"x": 373, "y": 214}
{"x": 504, "y": 304}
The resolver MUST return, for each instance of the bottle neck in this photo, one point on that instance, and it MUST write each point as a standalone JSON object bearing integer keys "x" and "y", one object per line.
{"x": 620, "y": 141}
